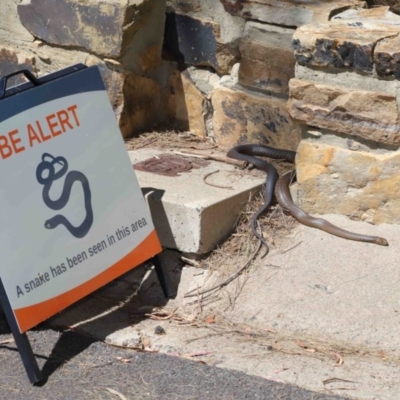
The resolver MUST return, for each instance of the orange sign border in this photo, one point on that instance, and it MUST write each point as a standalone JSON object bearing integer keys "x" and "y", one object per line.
{"x": 28, "y": 317}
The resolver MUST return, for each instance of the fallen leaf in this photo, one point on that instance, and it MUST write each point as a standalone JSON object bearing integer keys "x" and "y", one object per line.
{"x": 210, "y": 319}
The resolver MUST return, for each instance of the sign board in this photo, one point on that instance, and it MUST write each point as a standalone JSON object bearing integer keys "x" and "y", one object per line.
{"x": 73, "y": 215}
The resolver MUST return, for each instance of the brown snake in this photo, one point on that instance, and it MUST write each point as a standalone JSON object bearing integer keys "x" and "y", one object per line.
{"x": 282, "y": 193}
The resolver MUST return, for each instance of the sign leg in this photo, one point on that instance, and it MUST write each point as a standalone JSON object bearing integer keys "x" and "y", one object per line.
{"x": 163, "y": 277}
{"x": 21, "y": 340}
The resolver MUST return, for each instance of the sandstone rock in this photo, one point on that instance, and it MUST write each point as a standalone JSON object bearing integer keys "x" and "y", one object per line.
{"x": 216, "y": 33}
{"x": 186, "y": 102}
{"x": 12, "y": 60}
{"x": 198, "y": 42}
{"x": 343, "y": 43}
{"x": 360, "y": 184}
{"x": 267, "y": 61}
{"x": 288, "y": 12}
{"x": 204, "y": 79}
{"x": 347, "y": 79}
{"x": 174, "y": 106}
{"x": 387, "y": 58}
{"x": 113, "y": 81}
{"x": 195, "y": 104}
{"x": 231, "y": 27}
{"x": 122, "y": 37}
{"x": 142, "y": 101}
{"x": 242, "y": 116}
{"x": 106, "y": 28}
{"x": 144, "y": 47}
{"x": 11, "y": 29}
{"x": 378, "y": 14}
{"x": 369, "y": 115}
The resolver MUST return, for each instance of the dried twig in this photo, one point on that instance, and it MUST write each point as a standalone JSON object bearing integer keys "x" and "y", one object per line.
{"x": 229, "y": 279}
{"x": 215, "y": 157}
{"x": 212, "y": 184}
{"x": 291, "y": 248}
{"x": 331, "y": 380}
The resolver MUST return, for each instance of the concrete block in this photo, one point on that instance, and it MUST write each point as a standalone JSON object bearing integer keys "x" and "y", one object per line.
{"x": 189, "y": 214}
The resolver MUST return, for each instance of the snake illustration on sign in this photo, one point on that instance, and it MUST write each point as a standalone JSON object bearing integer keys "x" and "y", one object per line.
{"x": 47, "y": 164}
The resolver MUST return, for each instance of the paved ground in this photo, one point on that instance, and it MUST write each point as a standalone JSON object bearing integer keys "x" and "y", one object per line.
{"x": 318, "y": 312}
{"x": 81, "y": 368}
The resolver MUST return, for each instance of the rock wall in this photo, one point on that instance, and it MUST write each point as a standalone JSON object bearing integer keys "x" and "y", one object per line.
{"x": 321, "y": 77}
{"x": 123, "y": 38}
{"x": 245, "y": 52}
{"x": 346, "y": 93}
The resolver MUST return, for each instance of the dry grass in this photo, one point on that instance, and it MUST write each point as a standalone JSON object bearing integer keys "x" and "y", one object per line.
{"x": 295, "y": 343}
{"x": 169, "y": 140}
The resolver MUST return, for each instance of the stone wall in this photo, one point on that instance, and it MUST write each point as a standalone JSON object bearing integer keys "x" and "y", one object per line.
{"x": 321, "y": 77}
{"x": 244, "y": 52}
{"x": 346, "y": 93}
{"x": 123, "y": 38}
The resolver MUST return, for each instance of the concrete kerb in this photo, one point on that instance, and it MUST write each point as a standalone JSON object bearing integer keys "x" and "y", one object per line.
{"x": 198, "y": 209}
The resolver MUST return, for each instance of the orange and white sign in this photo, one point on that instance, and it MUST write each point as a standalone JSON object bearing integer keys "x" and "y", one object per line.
{"x": 73, "y": 215}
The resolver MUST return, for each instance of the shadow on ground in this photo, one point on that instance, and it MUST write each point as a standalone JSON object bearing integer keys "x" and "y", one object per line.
{"x": 114, "y": 308}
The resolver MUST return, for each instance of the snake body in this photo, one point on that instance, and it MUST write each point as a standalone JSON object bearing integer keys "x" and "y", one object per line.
{"x": 246, "y": 152}
{"x": 280, "y": 186}
{"x": 284, "y": 198}
{"x": 72, "y": 176}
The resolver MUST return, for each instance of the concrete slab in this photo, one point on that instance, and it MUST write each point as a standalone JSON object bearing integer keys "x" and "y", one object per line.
{"x": 189, "y": 214}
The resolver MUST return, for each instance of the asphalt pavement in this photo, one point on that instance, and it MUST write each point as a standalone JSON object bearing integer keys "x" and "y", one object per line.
{"x": 79, "y": 367}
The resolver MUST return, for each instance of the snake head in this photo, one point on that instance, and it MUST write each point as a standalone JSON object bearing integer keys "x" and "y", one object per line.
{"x": 381, "y": 241}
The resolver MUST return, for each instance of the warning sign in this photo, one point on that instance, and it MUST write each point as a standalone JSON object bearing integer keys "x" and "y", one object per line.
{"x": 73, "y": 215}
